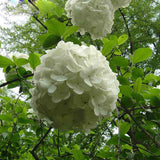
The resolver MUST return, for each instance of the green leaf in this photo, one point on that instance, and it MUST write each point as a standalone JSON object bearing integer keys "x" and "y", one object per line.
{"x": 10, "y": 129}
{"x": 105, "y": 153}
{"x": 55, "y": 27}
{"x": 124, "y": 128}
{"x": 6, "y": 117}
{"x": 45, "y": 7}
{"x": 127, "y": 102}
{"x": 113, "y": 140}
{"x": 34, "y": 60}
{"x": 142, "y": 149}
{"x": 137, "y": 72}
{"x": 123, "y": 38}
{"x": 137, "y": 85}
{"x": 77, "y": 153}
{"x": 109, "y": 45}
{"x": 151, "y": 78}
{"x": 4, "y": 62}
{"x": 126, "y": 146}
{"x": 123, "y": 80}
{"x": 126, "y": 90}
{"x": 51, "y": 41}
{"x": 117, "y": 52}
{"x": 141, "y": 54}
{"x": 20, "y": 61}
{"x": 119, "y": 61}
{"x": 69, "y": 31}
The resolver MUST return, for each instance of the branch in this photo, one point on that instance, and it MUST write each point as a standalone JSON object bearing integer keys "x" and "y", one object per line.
{"x": 58, "y": 148}
{"x": 15, "y": 80}
{"x": 40, "y": 22}
{"x": 146, "y": 132}
{"x": 30, "y": 1}
{"x": 129, "y": 33}
{"x": 140, "y": 148}
{"x": 119, "y": 137}
{"x": 37, "y": 145}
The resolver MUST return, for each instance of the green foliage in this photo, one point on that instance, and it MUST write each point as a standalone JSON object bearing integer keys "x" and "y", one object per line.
{"x": 5, "y": 62}
{"x": 122, "y": 39}
{"x": 34, "y": 60}
{"x": 141, "y": 54}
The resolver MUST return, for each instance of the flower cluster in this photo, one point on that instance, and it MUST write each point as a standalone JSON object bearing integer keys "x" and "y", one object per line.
{"x": 74, "y": 87}
{"x": 94, "y": 16}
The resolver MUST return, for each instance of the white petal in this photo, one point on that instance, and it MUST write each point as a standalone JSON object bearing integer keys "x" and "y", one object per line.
{"x": 78, "y": 91}
{"x": 44, "y": 83}
{"x": 56, "y": 99}
{"x": 87, "y": 81}
{"x": 52, "y": 89}
{"x": 96, "y": 111}
{"x": 60, "y": 78}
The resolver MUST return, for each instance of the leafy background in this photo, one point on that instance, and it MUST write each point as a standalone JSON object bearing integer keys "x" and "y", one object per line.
{"x": 131, "y": 133}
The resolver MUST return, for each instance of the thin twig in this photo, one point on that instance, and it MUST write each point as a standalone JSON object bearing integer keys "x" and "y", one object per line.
{"x": 35, "y": 17}
{"x": 37, "y": 145}
{"x": 129, "y": 33}
{"x": 30, "y": 1}
{"x": 119, "y": 137}
{"x": 59, "y": 154}
{"x": 146, "y": 132}
{"x": 140, "y": 148}
{"x": 15, "y": 80}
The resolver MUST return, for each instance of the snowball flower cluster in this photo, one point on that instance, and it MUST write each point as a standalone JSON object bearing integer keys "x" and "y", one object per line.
{"x": 94, "y": 16}
{"x": 74, "y": 87}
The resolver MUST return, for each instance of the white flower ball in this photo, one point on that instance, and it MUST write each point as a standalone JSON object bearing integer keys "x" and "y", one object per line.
{"x": 93, "y": 16}
{"x": 74, "y": 87}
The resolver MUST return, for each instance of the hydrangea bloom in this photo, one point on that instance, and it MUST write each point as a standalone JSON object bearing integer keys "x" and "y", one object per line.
{"x": 74, "y": 87}
{"x": 94, "y": 16}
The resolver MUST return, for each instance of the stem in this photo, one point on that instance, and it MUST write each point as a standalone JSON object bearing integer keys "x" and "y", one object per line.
{"x": 37, "y": 145}
{"x": 15, "y": 80}
{"x": 129, "y": 33}
{"x": 119, "y": 137}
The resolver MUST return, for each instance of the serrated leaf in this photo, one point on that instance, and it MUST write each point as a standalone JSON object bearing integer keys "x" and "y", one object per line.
{"x": 137, "y": 85}
{"x": 4, "y": 62}
{"x": 141, "y": 54}
{"x": 123, "y": 38}
{"x": 34, "y": 60}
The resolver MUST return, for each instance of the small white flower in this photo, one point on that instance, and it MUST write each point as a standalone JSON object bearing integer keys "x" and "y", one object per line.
{"x": 94, "y": 16}
{"x": 74, "y": 87}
